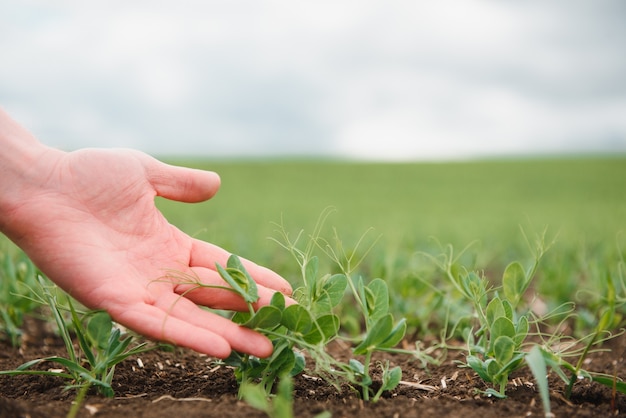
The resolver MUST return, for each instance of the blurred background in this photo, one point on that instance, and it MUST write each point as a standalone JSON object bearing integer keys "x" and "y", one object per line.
{"x": 373, "y": 80}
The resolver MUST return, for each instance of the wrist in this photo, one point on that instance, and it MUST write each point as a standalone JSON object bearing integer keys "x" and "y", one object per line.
{"x": 25, "y": 165}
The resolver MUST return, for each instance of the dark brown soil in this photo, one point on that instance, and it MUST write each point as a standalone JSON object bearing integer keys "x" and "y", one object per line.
{"x": 185, "y": 384}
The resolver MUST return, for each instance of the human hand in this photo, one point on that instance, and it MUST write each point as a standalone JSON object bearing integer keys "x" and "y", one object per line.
{"x": 92, "y": 227}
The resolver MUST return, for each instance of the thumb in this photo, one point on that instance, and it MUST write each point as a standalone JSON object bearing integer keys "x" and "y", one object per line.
{"x": 181, "y": 183}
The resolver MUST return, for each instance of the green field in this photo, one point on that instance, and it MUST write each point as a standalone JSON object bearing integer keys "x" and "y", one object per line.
{"x": 581, "y": 200}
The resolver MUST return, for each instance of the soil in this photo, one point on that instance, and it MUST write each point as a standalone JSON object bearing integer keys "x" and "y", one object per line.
{"x": 184, "y": 383}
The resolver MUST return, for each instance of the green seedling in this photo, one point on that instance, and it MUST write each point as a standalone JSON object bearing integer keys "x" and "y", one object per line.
{"x": 382, "y": 333}
{"x": 100, "y": 348}
{"x": 307, "y": 327}
{"x": 570, "y": 373}
{"x": 496, "y": 339}
{"x": 280, "y": 406}
{"x": 537, "y": 364}
{"x": 17, "y": 276}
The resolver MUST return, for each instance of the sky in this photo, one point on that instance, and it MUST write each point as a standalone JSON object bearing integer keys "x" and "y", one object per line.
{"x": 392, "y": 80}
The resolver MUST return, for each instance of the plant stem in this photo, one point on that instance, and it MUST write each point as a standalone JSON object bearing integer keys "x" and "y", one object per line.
{"x": 78, "y": 401}
{"x": 366, "y": 373}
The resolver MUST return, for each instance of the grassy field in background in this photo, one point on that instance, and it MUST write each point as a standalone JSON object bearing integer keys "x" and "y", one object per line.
{"x": 583, "y": 201}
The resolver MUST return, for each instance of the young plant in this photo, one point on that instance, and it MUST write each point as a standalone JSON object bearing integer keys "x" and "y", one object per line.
{"x": 17, "y": 276}
{"x": 308, "y": 326}
{"x": 281, "y": 406}
{"x": 495, "y": 342}
{"x": 100, "y": 348}
{"x": 570, "y": 373}
{"x": 290, "y": 328}
{"x": 381, "y": 333}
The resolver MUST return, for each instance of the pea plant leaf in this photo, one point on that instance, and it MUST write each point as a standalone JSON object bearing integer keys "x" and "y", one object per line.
{"x": 391, "y": 378}
{"x": 297, "y": 319}
{"x": 238, "y": 278}
{"x": 378, "y": 333}
{"x": 267, "y": 317}
{"x": 99, "y": 328}
{"x": 377, "y": 299}
{"x": 504, "y": 349}
{"x": 521, "y": 330}
{"x": 310, "y": 276}
{"x": 479, "y": 367}
{"x": 502, "y": 326}
{"x": 278, "y": 301}
{"x": 335, "y": 287}
{"x": 395, "y": 336}
{"x": 514, "y": 282}
{"x": 494, "y": 310}
{"x": 329, "y": 295}
{"x": 325, "y": 328}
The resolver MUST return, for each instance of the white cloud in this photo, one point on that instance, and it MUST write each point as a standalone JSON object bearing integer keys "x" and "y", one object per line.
{"x": 394, "y": 79}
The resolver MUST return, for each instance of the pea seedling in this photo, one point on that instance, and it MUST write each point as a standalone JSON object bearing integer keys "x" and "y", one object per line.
{"x": 17, "y": 276}
{"x": 100, "y": 345}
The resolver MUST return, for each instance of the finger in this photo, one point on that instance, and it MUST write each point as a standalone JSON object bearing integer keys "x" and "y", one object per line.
{"x": 181, "y": 183}
{"x": 204, "y": 293}
{"x": 204, "y": 254}
{"x": 184, "y": 324}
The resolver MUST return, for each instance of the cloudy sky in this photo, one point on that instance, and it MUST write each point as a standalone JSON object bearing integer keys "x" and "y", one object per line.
{"x": 371, "y": 79}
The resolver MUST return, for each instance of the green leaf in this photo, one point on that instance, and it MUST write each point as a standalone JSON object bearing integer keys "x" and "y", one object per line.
{"x": 356, "y": 366}
{"x": 255, "y": 396}
{"x": 514, "y": 282}
{"x": 611, "y": 382}
{"x": 377, "y": 299}
{"x": 335, "y": 286}
{"x": 238, "y": 278}
{"x": 504, "y": 348}
{"x": 282, "y": 361}
{"x": 492, "y": 368}
{"x": 241, "y": 317}
{"x": 479, "y": 367}
{"x": 322, "y": 304}
{"x": 376, "y": 335}
{"x": 391, "y": 378}
{"x": 537, "y": 364}
{"x": 297, "y": 319}
{"x": 475, "y": 288}
{"x": 283, "y": 401}
{"x": 299, "y": 364}
{"x": 327, "y": 328}
{"x": 494, "y": 393}
{"x": 310, "y": 273}
{"x": 83, "y": 338}
{"x": 502, "y": 327}
{"x": 267, "y": 317}
{"x": 234, "y": 360}
{"x": 278, "y": 301}
{"x": 494, "y": 310}
{"x": 521, "y": 330}
{"x": 99, "y": 329}
{"x": 508, "y": 309}
{"x": 395, "y": 336}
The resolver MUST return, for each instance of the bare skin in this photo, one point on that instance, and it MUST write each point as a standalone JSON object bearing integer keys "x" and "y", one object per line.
{"x": 88, "y": 220}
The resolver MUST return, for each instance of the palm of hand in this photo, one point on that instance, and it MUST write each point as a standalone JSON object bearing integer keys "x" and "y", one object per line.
{"x": 100, "y": 237}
